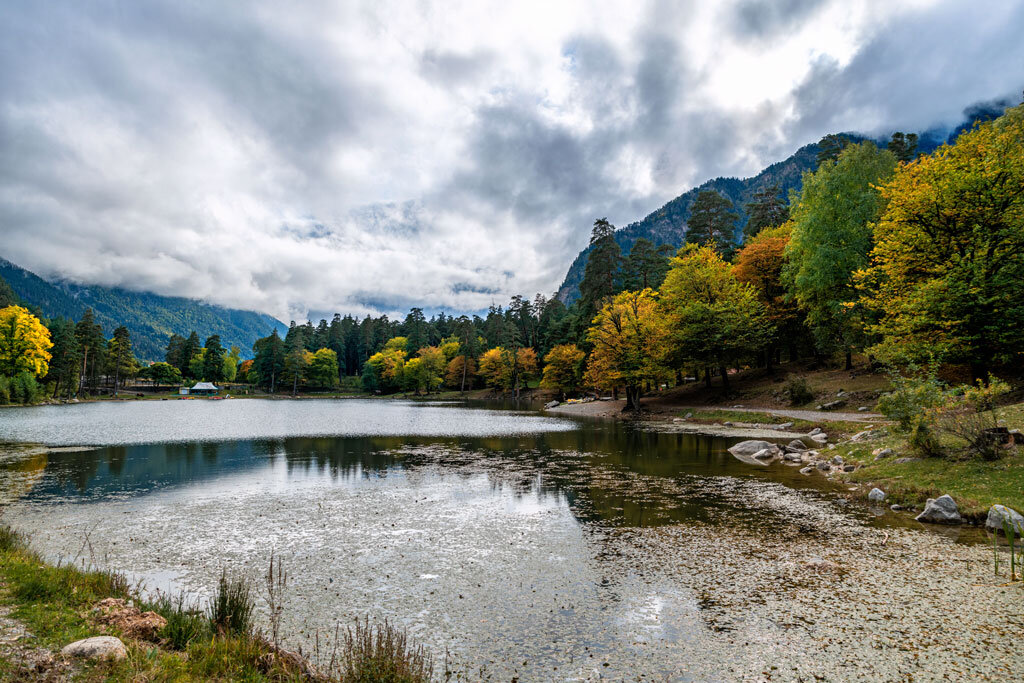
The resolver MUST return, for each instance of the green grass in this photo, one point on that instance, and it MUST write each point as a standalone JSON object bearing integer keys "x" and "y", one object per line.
{"x": 975, "y": 484}
{"x": 755, "y": 417}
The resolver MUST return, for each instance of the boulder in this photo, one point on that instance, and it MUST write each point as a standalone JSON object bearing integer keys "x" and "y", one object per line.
{"x": 849, "y": 468}
{"x": 751, "y": 446}
{"x": 823, "y": 466}
{"x": 793, "y": 457}
{"x": 820, "y": 437}
{"x": 98, "y": 647}
{"x": 863, "y": 409}
{"x": 816, "y": 430}
{"x": 895, "y": 508}
{"x": 904, "y": 461}
{"x": 806, "y": 470}
{"x": 765, "y": 454}
{"x": 832, "y": 405}
{"x": 941, "y": 510}
{"x": 837, "y": 460}
{"x": 797, "y": 445}
{"x": 880, "y": 453}
{"x": 1000, "y": 516}
{"x": 552, "y": 404}
{"x": 784, "y": 426}
{"x": 727, "y": 424}
{"x": 876, "y": 495}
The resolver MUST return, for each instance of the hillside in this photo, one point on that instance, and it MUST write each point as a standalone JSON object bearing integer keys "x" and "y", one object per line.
{"x": 150, "y": 318}
{"x": 667, "y": 225}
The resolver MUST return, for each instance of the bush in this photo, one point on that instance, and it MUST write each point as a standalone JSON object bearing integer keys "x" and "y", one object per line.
{"x": 5, "y": 389}
{"x": 799, "y": 391}
{"x": 232, "y": 606}
{"x": 380, "y": 652}
{"x": 911, "y": 399}
{"x": 969, "y": 416}
{"x": 10, "y": 539}
{"x": 23, "y": 389}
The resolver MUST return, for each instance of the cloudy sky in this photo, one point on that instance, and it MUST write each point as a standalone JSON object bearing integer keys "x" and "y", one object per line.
{"x": 372, "y": 156}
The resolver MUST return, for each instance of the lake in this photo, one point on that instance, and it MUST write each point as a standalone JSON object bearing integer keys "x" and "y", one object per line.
{"x": 524, "y": 545}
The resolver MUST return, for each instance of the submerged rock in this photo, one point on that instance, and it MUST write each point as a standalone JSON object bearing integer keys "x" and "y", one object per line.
{"x": 876, "y": 495}
{"x": 797, "y": 444}
{"x": 552, "y": 404}
{"x": 941, "y": 510}
{"x": 1000, "y": 516}
{"x": 806, "y": 470}
{"x": 98, "y": 647}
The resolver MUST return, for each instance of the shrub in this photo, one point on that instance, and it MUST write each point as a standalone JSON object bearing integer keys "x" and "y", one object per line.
{"x": 232, "y": 605}
{"x": 5, "y": 389}
{"x": 969, "y": 416}
{"x": 10, "y": 539}
{"x": 911, "y": 399}
{"x": 799, "y": 391}
{"x": 24, "y": 388}
{"x": 380, "y": 652}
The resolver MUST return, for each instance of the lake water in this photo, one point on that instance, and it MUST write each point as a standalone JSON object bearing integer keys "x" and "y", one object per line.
{"x": 524, "y": 545}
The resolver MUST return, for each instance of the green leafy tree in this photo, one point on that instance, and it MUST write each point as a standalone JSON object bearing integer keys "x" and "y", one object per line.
{"x": 767, "y": 210}
{"x": 831, "y": 239}
{"x": 563, "y": 369}
{"x": 323, "y": 369}
{"x": 712, "y": 221}
{"x": 162, "y": 374}
{"x": 231, "y": 363}
{"x": 213, "y": 360}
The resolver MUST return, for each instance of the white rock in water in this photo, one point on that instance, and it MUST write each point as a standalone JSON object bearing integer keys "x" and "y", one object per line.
{"x": 941, "y": 510}
{"x": 876, "y": 495}
{"x": 1000, "y": 514}
{"x": 98, "y": 647}
{"x": 819, "y": 437}
{"x": 751, "y": 446}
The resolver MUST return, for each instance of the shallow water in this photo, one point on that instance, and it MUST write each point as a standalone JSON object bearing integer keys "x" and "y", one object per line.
{"x": 509, "y": 539}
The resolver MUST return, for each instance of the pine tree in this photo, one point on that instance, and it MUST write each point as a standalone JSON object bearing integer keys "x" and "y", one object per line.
{"x": 904, "y": 146}
{"x": 712, "y": 221}
{"x": 213, "y": 360}
{"x": 767, "y": 210}
{"x": 601, "y": 275}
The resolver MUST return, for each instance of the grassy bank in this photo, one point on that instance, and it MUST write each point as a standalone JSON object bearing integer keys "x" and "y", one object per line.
{"x": 754, "y": 417}
{"x": 974, "y": 483}
{"x": 55, "y": 605}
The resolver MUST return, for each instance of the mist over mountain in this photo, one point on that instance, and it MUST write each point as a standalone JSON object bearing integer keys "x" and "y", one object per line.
{"x": 151, "y": 318}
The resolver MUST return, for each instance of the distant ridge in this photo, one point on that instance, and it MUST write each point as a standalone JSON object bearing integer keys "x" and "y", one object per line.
{"x": 667, "y": 225}
{"x": 151, "y": 318}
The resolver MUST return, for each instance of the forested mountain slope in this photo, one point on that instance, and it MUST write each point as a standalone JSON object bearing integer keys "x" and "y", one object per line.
{"x": 667, "y": 225}
{"x": 150, "y": 318}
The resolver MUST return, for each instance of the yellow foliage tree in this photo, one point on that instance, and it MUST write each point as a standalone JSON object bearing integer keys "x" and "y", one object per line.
{"x": 24, "y": 343}
{"x": 563, "y": 369}
{"x": 628, "y": 337}
{"x": 496, "y": 367}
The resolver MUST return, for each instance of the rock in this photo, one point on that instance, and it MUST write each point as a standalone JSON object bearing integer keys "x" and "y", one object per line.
{"x": 689, "y": 415}
{"x": 849, "y": 468}
{"x": 860, "y": 436}
{"x": 784, "y": 426}
{"x": 766, "y": 454}
{"x": 863, "y": 409}
{"x": 819, "y": 438}
{"x": 552, "y": 404}
{"x": 737, "y": 406}
{"x": 98, "y": 647}
{"x": 727, "y": 424}
{"x": 806, "y": 470}
{"x": 837, "y": 460}
{"x": 816, "y": 430}
{"x": 751, "y": 446}
{"x": 1000, "y": 515}
{"x": 793, "y": 457}
{"x": 895, "y": 508}
{"x": 904, "y": 461}
{"x": 876, "y": 495}
{"x": 823, "y": 466}
{"x": 941, "y": 510}
{"x": 832, "y": 405}
{"x": 841, "y": 394}
{"x": 880, "y": 453}
{"x": 797, "y": 445}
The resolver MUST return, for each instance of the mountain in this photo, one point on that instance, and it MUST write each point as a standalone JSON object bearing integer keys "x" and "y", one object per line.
{"x": 667, "y": 225}
{"x": 150, "y": 318}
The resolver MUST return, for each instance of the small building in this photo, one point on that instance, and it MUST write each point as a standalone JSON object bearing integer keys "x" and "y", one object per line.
{"x": 203, "y": 389}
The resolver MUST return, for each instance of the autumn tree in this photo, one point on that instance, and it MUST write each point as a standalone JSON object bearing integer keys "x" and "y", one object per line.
{"x": 760, "y": 263}
{"x": 831, "y": 238}
{"x": 525, "y": 369}
{"x": 432, "y": 366}
{"x": 713, "y": 319}
{"x": 628, "y": 336}
{"x": 712, "y": 221}
{"x": 563, "y": 369}
{"x": 323, "y": 368}
{"x": 947, "y": 270}
{"x": 497, "y": 368}
{"x": 24, "y": 343}
{"x": 460, "y": 372}
{"x": 767, "y": 210}
{"x": 601, "y": 274}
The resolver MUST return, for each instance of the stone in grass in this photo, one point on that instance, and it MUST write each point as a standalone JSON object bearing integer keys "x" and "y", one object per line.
{"x": 941, "y": 510}
{"x": 1000, "y": 517}
{"x": 880, "y": 453}
{"x": 863, "y": 409}
{"x": 784, "y": 426}
{"x": 876, "y": 495}
{"x": 823, "y": 465}
{"x": 806, "y": 470}
{"x": 98, "y": 647}
{"x": 820, "y": 437}
{"x": 816, "y": 430}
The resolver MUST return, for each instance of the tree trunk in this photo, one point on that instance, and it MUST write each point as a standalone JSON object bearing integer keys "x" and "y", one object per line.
{"x": 849, "y": 360}
{"x": 632, "y": 398}
{"x": 769, "y": 356}
{"x": 465, "y": 367}
{"x": 707, "y": 376}
{"x": 725, "y": 378}
{"x": 81, "y": 380}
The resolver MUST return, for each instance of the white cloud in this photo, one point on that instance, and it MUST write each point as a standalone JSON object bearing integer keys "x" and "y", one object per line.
{"x": 366, "y": 157}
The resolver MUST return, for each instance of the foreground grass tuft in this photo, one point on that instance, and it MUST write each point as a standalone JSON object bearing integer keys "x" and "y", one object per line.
{"x": 382, "y": 653}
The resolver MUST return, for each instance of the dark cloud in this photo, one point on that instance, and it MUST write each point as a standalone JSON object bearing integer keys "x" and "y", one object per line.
{"x": 359, "y": 158}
